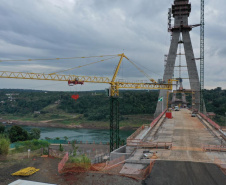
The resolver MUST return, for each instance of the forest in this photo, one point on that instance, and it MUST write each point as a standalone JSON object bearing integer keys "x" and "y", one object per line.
{"x": 94, "y": 105}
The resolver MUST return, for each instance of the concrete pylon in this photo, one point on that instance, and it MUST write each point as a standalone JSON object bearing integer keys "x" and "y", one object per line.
{"x": 181, "y": 10}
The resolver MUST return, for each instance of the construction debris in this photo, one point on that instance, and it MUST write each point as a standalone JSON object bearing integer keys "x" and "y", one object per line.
{"x": 25, "y": 172}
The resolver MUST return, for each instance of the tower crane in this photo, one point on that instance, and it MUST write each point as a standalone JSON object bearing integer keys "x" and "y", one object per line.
{"x": 114, "y": 90}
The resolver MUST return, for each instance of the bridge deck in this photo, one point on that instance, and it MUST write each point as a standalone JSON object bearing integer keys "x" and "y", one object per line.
{"x": 177, "y": 143}
{"x": 188, "y": 135}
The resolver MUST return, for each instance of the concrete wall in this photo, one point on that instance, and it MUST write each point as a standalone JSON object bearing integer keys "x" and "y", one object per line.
{"x": 120, "y": 152}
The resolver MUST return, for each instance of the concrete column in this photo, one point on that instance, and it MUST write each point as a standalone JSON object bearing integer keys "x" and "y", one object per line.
{"x": 191, "y": 66}
{"x": 169, "y": 70}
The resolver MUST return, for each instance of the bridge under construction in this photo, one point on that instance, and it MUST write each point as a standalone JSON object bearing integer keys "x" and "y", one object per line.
{"x": 182, "y": 138}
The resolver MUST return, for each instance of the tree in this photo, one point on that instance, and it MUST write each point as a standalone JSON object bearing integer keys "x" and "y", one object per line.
{"x": 2, "y": 129}
{"x": 35, "y": 133}
{"x": 74, "y": 148}
{"x": 17, "y": 133}
{"x": 66, "y": 138}
{"x": 61, "y": 148}
{"x": 4, "y": 145}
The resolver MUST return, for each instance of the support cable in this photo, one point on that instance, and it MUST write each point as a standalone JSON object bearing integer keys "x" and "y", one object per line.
{"x": 152, "y": 80}
{"x": 83, "y": 65}
{"x": 55, "y": 58}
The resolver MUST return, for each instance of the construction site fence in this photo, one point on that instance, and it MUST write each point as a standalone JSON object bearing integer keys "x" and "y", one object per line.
{"x": 23, "y": 155}
{"x": 62, "y": 162}
{"x": 214, "y": 124}
{"x": 56, "y": 153}
{"x": 219, "y": 148}
{"x": 55, "y": 141}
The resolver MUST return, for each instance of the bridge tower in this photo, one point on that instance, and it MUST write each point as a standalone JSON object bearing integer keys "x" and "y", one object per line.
{"x": 181, "y": 10}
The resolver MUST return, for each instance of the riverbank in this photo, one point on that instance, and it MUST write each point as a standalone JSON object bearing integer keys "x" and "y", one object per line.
{"x": 58, "y": 125}
{"x": 131, "y": 123}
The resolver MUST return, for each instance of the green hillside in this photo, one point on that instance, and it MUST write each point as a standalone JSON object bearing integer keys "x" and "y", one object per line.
{"x": 92, "y": 107}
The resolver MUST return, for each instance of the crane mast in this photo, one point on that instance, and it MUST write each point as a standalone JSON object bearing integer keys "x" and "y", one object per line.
{"x": 202, "y": 56}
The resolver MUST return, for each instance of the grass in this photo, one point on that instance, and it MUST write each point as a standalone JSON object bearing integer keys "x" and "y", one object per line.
{"x": 81, "y": 161}
{"x": 34, "y": 144}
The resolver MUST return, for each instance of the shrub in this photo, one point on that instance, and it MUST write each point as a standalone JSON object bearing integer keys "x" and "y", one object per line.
{"x": 30, "y": 144}
{"x": 4, "y": 145}
{"x": 35, "y": 133}
{"x": 2, "y": 128}
{"x": 61, "y": 148}
{"x": 82, "y": 161}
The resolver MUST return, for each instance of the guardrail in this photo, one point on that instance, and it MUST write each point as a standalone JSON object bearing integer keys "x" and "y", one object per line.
{"x": 155, "y": 121}
{"x": 131, "y": 141}
{"x": 210, "y": 148}
{"x": 137, "y": 132}
{"x": 223, "y": 128}
{"x": 158, "y": 145}
{"x": 214, "y": 124}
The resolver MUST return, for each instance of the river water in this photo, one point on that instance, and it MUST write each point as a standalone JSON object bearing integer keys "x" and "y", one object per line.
{"x": 90, "y": 135}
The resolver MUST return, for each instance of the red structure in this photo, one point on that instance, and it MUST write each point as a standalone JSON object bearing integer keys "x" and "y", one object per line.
{"x": 75, "y": 97}
{"x": 75, "y": 82}
{"x": 169, "y": 115}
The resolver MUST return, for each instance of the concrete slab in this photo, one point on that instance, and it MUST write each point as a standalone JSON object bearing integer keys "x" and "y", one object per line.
{"x": 133, "y": 169}
{"x": 188, "y": 135}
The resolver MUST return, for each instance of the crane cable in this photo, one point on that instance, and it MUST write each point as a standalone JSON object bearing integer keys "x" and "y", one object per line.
{"x": 151, "y": 79}
{"x": 55, "y": 58}
{"x": 82, "y": 65}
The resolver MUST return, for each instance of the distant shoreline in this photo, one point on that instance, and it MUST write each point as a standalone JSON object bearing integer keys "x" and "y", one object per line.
{"x": 59, "y": 125}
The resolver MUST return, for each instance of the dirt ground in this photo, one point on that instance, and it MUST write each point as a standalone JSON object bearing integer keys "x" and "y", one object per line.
{"x": 48, "y": 173}
{"x": 163, "y": 172}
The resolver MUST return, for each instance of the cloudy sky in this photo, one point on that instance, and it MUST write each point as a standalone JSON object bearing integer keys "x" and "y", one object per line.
{"x": 40, "y": 29}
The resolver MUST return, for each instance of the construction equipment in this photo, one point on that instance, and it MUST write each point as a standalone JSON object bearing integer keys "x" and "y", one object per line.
{"x": 114, "y": 90}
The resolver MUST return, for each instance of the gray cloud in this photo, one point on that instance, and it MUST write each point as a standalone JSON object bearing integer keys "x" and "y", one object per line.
{"x": 55, "y": 28}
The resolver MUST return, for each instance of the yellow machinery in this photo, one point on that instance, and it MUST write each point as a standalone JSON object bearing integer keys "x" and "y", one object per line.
{"x": 114, "y": 89}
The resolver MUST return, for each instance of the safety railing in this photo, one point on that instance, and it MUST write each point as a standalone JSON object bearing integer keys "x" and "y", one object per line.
{"x": 210, "y": 148}
{"x": 157, "y": 145}
{"x": 215, "y": 125}
{"x": 156, "y": 120}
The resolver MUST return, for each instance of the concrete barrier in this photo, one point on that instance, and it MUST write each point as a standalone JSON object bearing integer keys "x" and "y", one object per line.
{"x": 119, "y": 153}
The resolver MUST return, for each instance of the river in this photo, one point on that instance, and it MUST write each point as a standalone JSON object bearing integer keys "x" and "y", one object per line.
{"x": 83, "y": 135}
